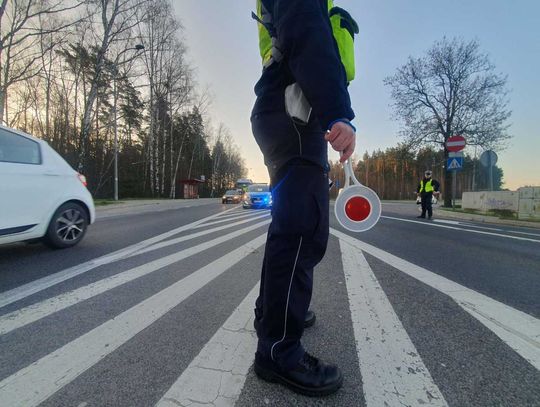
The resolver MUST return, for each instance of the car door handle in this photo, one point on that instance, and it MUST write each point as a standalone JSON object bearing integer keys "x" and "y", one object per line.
{"x": 52, "y": 174}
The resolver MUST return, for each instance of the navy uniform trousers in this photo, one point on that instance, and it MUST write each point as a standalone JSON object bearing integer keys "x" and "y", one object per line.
{"x": 426, "y": 198}
{"x": 296, "y": 157}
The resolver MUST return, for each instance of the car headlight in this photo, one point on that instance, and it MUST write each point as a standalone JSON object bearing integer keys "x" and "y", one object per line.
{"x": 224, "y": 197}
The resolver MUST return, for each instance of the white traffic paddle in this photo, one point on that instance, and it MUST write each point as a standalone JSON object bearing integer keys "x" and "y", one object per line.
{"x": 357, "y": 208}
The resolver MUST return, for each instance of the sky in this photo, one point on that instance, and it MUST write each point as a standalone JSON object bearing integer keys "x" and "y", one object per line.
{"x": 223, "y": 48}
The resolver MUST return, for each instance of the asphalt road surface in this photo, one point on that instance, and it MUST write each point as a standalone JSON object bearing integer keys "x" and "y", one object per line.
{"x": 155, "y": 308}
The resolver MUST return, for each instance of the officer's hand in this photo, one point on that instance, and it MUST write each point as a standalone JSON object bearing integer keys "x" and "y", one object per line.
{"x": 342, "y": 138}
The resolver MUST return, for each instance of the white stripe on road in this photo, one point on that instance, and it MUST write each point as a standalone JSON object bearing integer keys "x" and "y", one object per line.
{"x": 470, "y": 225}
{"x": 252, "y": 212}
{"x": 462, "y": 229}
{"x": 242, "y": 216}
{"x": 217, "y": 374}
{"x": 34, "y": 312}
{"x": 523, "y": 233}
{"x": 393, "y": 373}
{"x": 194, "y": 235}
{"x": 36, "y": 286}
{"x": 517, "y": 329}
{"x": 40, "y": 380}
{"x": 232, "y": 215}
{"x": 448, "y": 222}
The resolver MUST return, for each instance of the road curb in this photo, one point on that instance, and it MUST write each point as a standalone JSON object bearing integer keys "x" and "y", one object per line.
{"x": 145, "y": 202}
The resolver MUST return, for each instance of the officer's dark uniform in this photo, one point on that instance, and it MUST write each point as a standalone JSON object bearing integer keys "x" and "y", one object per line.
{"x": 296, "y": 157}
{"x": 426, "y": 196}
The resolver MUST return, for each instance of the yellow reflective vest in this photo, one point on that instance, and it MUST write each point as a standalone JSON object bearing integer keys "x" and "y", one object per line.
{"x": 344, "y": 27}
{"x": 428, "y": 187}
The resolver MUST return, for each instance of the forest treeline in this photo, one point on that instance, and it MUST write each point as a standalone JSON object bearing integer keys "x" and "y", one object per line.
{"x": 82, "y": 74}
{"x": 395, "y": 172}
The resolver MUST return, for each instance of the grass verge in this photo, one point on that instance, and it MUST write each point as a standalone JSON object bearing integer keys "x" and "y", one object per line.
{"x": 103, "y": 202}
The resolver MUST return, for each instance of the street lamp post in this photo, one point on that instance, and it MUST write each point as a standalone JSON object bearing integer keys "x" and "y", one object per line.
{"x": 138, "y": 47}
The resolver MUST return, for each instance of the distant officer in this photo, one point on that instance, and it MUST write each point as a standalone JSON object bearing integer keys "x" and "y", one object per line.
{"x": 302, "y": 64}
{"x": 426, "y": 188}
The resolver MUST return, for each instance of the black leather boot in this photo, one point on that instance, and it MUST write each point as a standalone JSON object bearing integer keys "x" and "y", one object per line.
{"x": 309, "y": 377}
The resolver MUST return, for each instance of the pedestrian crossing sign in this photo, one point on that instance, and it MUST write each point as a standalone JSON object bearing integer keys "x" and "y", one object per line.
{"x": 454, "y": 163}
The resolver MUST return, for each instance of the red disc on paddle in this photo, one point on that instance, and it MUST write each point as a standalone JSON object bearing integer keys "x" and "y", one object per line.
{"x": 357, "y": 208}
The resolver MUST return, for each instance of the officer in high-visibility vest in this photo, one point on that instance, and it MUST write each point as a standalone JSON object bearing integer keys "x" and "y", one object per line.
{"x": 300, "y": 45}
{"x": 426, "y": 188}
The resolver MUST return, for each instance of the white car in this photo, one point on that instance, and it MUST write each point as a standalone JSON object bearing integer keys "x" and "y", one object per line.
{"x": 41, "y": 196}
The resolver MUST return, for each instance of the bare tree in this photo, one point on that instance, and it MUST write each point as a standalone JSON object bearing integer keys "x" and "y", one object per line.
{"x": 452, "y": 90}
{"x": 21, "y": 27}
{"x": 116, "y": 19}
{"x": 165, "y": 67}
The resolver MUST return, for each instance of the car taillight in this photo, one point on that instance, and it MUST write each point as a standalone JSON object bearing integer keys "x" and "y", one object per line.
{"x": 82, "y": 178}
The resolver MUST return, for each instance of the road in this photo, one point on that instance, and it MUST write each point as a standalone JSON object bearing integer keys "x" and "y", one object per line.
{"x": 154, "y": 308}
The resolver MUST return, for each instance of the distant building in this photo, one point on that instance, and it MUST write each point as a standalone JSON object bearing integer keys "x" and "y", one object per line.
{"x": 190, "y": 189}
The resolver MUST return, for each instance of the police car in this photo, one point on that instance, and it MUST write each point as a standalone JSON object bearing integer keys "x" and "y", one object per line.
{"x": 257, "y": 196}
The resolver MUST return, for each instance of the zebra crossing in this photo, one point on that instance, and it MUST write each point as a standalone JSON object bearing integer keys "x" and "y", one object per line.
{"x": 176, "y": 328}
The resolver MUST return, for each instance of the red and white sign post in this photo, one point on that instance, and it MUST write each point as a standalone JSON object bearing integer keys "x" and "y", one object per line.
{"x": 455, "y": 143}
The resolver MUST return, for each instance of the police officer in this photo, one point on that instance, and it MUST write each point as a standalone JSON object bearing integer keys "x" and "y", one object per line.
{"x": 296, "y": 157}
{"x": 425, "y": 190}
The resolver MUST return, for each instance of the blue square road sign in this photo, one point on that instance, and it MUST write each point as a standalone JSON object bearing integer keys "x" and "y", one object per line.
{"x": 454, "y": 164}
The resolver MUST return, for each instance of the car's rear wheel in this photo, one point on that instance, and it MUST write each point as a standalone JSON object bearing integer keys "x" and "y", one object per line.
{"x": 68, "y": 226}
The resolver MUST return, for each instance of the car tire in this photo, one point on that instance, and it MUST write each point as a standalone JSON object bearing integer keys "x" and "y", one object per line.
{"x": 67, "y": 227}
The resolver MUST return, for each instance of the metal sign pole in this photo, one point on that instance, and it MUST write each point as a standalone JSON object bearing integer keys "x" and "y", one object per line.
{"x": 474, "y": 171}
{"x": 490, "y": 166}
{"x": 454, "y": 189}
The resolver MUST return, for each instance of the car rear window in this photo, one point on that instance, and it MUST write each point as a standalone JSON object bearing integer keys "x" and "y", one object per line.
{"x": 18, "y": 149}
{"x": 258, "y": 188}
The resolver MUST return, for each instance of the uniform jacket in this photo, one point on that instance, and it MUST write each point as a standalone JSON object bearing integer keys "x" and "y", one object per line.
{"x": 311, "y": 59}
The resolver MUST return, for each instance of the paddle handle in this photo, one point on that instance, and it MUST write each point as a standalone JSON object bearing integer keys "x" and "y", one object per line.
{"x": 349, "y": 174}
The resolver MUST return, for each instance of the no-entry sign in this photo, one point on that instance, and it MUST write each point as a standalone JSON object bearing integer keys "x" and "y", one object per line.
{"x": 455, "y": 143}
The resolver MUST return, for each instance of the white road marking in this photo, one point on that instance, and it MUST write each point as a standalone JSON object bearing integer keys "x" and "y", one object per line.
{"x": 462, "y": 229}
{"x": 481, "y": 227}
{"x": 40, "y": 380}
{"x": 393, "y": 373}
{"x": 41, "y": 284}
{"x": 242, "y": 216}
{"x": 34, "y": 312}
{"x": 194, "y": 235}
{"x": 449, "y": 222}
{"x": 470, "y": 225}
{"x": 253, "y": 212}
{"x": 517, "y": 329}
{"x": 217, "y": 374}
